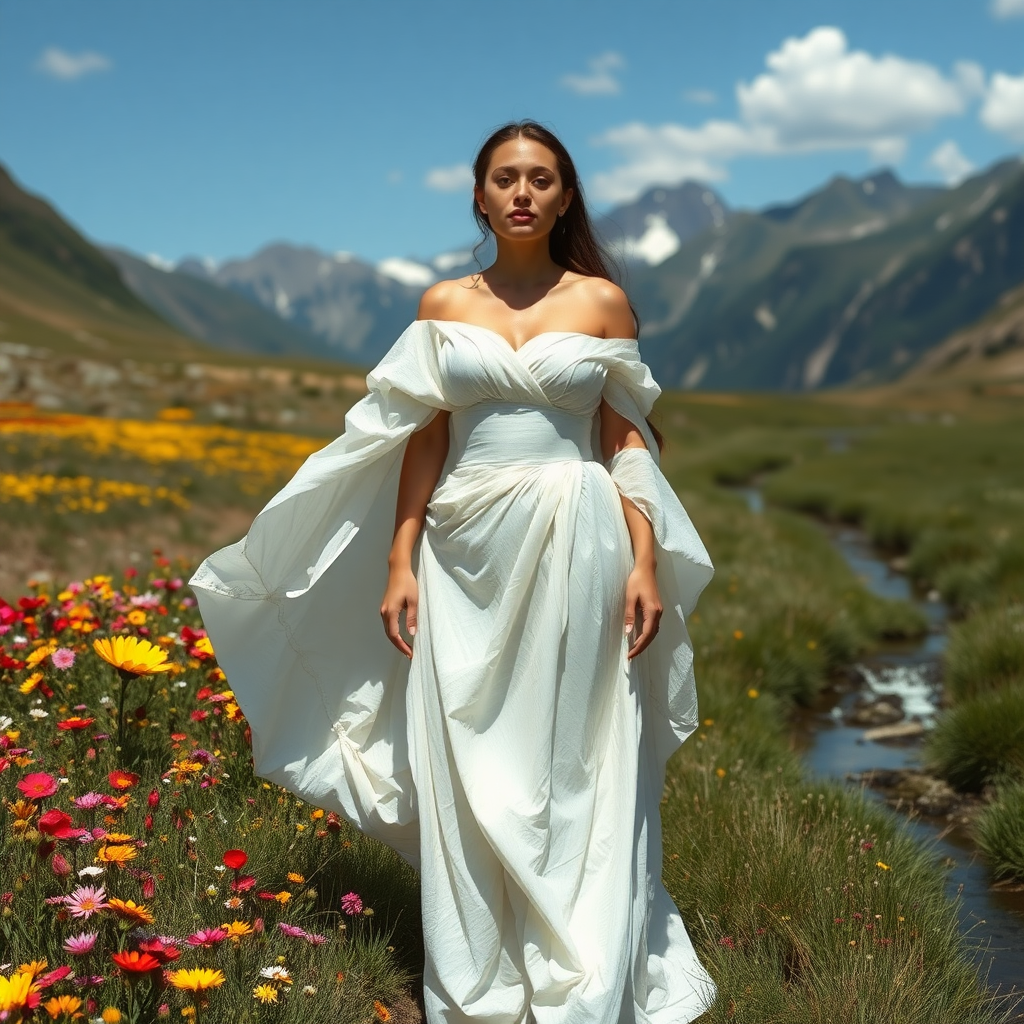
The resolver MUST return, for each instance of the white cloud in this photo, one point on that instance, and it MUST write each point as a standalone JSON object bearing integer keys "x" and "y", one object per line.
{"x": 450, "y": 179}
{"x": 817, "y": 94}
{"x": 950, "y": 163}
{"x": 1008, "y": 8}
{"x": 699, "y": 96}
{"x": 58, "y": 63}
{"x": 406, "y": 271}
{"x": 1003, "y": 109}
{"x": 600, "y": 81}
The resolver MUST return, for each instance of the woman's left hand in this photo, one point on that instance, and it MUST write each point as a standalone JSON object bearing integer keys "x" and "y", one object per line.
{"x": 643, "y": 601}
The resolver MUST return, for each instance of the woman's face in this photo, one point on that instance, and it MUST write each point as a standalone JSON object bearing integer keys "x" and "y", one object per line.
{"x": 522, "y": 193}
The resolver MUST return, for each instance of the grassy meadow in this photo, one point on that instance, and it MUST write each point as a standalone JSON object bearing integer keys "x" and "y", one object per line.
{"x": 808, "y": 902}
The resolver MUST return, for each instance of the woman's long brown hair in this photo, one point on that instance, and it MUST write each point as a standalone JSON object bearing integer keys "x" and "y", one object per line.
{"x": 572, "y": 242}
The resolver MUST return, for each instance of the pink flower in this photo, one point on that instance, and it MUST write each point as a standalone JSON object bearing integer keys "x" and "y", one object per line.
{"x": 316, "y": 940}
{"x": 352, "y": 903}
{"x": 38, "y": 785}
{"x": 61, "y": 867}
{"x": 207, "y": 937}
{"x": 88, "y": 801}
{"x": 291, "y": 930}
{"x": 87, "y": 900}
{"x": 63, "y": 658}
{"x": 727, "y": 941}
{"x": 79, "y": 945}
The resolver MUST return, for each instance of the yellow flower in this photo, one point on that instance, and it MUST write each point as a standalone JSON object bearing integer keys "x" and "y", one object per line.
{"x": 111, "y": 1015}
{"x": 265, "y": 993}
{"x": 709, "y": 722}
{"x": 737, "y": 634}
{"x": 116, "y": 854}
{"x": 884, "y": 867}
{"x": 34, "y": 967}
{"x": 196, "y": 979}
{"x": 131, "y": 911}
{"x": 15, "y": 990}
{"x": 283, "y": 897}
{"x": 58, "y": 1005}
{"x": 812, "y": 645}
{"x": 31, "y": 682}
{"x": 40, "y": 654}
{"x": 132, "y": 655}
{"x": 137, "y": 617}
{"x": 237, "y": 930}
{"x": 117, "y": 837}
{"x": 294, "y": 876}
{"x": 203, "y": 644}
{"x": 720, "y": 772}
{"x": 753, "y": 694}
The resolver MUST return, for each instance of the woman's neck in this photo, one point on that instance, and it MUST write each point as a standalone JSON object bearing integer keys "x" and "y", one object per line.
{"x": 523, "y": 266}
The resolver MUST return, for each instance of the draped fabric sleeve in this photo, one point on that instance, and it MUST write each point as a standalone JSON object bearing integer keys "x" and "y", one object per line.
{"x": 292, "y": 611}
{"x": 665, "y": 668}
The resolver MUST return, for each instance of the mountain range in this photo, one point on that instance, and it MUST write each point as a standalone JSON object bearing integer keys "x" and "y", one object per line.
{"x": 855, "y": 283}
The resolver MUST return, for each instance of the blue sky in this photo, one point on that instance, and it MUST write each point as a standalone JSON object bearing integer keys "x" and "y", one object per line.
{"x": 212, "y": 127}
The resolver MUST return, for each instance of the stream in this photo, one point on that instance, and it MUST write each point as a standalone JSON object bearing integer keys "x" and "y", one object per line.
{"x": 908, "y": 674}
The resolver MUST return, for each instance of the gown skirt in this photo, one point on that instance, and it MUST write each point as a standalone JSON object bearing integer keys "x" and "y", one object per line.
{"x": 518, "y": 759}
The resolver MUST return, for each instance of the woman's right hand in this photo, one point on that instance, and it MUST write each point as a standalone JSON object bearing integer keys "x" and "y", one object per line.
{"x": 401, "y": 592}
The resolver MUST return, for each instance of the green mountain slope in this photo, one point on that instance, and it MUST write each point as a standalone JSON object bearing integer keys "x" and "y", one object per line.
{"x": 59, "y": 291}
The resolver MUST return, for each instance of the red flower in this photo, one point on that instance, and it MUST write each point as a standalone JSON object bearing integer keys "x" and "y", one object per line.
{"x": 243, "y": 884}
{"x": 58, "y": 974}
{"x": 58, "y": 824}
{"x": 153, "y": 799}
{"x": 160, "y": 950}
{"x": 119, "y": 779}
{"x": 38, "y": 785}
{"x": 235, "y": 859}
{"x": 135, "y": 962}
{"x": 75, "y": 722}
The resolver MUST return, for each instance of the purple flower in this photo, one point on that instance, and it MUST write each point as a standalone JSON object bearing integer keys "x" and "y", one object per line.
{"x": 291, "y": 930}
{"x": 63, "y": 658}
{"x": 88, "y": 980}
{"x": 352, "y": 903}
{"x": 79, "y": 945}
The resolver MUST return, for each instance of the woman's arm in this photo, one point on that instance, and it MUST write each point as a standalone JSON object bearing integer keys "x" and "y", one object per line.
{"x": 642, "y": 586}
{"x": 425, "y": 453}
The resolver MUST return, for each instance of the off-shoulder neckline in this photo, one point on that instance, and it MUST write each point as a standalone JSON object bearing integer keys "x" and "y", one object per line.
{"x": 504, "y": 341}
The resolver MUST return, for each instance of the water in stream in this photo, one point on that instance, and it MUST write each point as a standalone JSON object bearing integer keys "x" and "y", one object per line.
{"x": 992, "y": 918}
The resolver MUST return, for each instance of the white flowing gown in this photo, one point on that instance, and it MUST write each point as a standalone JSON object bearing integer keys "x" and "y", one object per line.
{"x": 518, "y": 758}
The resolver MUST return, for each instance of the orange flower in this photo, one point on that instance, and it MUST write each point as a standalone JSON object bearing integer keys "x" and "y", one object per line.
{"x": 116, "y": 854}
{"x": 119, "y": 779}
{"x": 383, "y": 1013}
{"x": 136, "y": 962}
{"x": 131, "y": 911}
{"x": 67, "y": 1006}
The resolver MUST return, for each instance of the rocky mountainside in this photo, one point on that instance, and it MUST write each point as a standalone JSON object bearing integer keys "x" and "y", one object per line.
{"x": 838, "y": 289}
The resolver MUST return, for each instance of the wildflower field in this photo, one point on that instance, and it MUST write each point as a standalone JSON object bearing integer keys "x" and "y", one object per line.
{"x": 146, "y": 873}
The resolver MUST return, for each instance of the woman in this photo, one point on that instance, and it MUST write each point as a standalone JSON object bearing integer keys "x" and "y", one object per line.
{"x": 512, "y": 744}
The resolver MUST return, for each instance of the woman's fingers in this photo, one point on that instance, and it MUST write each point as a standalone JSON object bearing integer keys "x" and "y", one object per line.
{"x": 650, "y": 618}
{"x": 390, "y": 616}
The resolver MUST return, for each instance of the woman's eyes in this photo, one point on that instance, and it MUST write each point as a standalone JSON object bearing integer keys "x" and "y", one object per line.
{"x": 543, "y": 182}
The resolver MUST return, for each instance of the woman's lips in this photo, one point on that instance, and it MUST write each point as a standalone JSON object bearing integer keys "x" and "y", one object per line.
{"x": 522, "y": 217}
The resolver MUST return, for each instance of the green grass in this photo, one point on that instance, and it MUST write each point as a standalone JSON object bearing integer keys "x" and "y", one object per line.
{"x": 1000, "y": 831}
{"x": 986, "y": 652}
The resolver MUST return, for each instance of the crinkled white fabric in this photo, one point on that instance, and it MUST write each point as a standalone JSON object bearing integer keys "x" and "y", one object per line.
{"x": 518, "y": 759}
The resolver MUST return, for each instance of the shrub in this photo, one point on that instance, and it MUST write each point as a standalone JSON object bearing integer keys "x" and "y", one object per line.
{"x": 1000, "y": 832}
{"x": 980, "y": 740}
{"x": 986, "y": 652}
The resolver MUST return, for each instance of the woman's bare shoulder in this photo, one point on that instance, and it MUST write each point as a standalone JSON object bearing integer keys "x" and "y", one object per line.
{"x": 441, "y": 301}
{"x": 611, "y": 303}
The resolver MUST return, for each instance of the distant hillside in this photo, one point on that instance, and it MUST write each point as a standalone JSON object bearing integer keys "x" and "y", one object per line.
{"x": 214, "y": 313}
{"x": 354, "y": 309}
